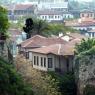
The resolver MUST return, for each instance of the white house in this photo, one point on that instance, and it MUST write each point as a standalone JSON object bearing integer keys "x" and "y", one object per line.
{"x": 57, "y": 57}
{"x": 90, "y": 33}
{"x": 50, "y": 15}
{"x": 60, "y": 5}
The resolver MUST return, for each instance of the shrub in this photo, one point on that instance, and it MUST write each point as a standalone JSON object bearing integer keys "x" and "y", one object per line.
{"x": 89, "y": 90}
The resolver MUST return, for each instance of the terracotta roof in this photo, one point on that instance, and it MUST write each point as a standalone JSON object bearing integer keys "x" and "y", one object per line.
{"x": 40, "y": 41}
{"x": 87, "y": 11}
{"x": 14, "y": 33}
{"x": 81, "y": 24}
{"x": 76, "y": 35}
{"x": 23, "y": 6}
{"x": 57, "y": 49}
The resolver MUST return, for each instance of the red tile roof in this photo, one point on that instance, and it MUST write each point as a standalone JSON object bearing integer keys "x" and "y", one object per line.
{"x": 23, "y": 6}
{"x": 40, "y": 41}
{"x": 57, "y": 49}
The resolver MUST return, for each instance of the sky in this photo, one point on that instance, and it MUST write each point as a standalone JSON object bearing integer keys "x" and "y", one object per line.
{"x": 84, "y": 0}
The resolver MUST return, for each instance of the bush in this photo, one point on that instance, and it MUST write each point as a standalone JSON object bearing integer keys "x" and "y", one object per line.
{"x": 89, "y": 90}
{"x": 11, "y": 82}
{"x": 66, "y": 83}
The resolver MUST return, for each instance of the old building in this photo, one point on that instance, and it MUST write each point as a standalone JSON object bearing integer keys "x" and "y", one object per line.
{"x": 87, "y": 15}
{"x": 51, "y": 54}
{"x": 18, "y": 10}
{"x": 57, "y": 57}
{"x": 37, "y": 41}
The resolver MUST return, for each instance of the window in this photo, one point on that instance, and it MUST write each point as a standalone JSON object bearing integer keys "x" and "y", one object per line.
{"x": 34, "y": 60}
{"x": 42, "y": 17}
{"x": 82, "y": 15}
{"x": 87, "y": 15}
{"x": 50, "y": 63}
{"x": 58, "y": 16}
{"x": 51, "y": 16}
{"x": 41, "y": 61}
{"x": 27, "y": 55}
{"x": 45, "y": 17}
{"x": 44, "y": 62}
{"x": 55, "y": 16}
{"x": 67, "y": 63}
{"x": 91, "y": 15}
{"x": 37, "y": 60}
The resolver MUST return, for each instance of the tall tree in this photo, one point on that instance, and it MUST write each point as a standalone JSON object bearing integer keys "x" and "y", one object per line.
{"x": 4, "y": 24}
{"x": 28, "y": 27}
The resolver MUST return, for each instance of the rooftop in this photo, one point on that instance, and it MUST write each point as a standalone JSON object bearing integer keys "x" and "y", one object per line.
{"x": 39, "y": 41}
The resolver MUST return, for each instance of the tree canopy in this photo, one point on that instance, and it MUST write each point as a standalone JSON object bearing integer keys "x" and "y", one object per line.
{"x": 85, "y": 45}
{"x": 11, "y": 82}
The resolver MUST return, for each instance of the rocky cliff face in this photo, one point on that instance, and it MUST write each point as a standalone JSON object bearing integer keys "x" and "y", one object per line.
{"x": 85, "y": 72}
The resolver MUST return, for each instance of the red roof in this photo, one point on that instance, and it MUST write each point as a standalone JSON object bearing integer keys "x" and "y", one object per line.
{"x": 40, "y": 41}
{"x": 57, "y": 49}
{"x": 23, "y": 6}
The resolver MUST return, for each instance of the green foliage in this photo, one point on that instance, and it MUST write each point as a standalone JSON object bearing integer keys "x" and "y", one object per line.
{"x": 44, "y": 28}
{"x": 89, "y": 90}
{"x": 85, "y": 45}
{"x": 10, "y": 82}
{"x": 4, "y": 24}
{"x": 66, "y": 83}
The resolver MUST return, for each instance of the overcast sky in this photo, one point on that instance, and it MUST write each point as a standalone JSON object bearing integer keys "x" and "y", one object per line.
{"x": 84, "y": 0}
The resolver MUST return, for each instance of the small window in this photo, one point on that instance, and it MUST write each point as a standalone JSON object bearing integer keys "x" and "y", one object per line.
{"x": 27, "y": 55}
{"x": 55, "y": 16}
{"x": 41, "y": 61}
{"x": 82, "y": 15}
{"x": 50, "y": 65}
{"x": 37, "y": 60}
{"x": 91, "y": 15}
{"x": 58, "y": 16}
{"x": 67, "y": 63}
{"x": 34, "y": 60}
{"x": 44, "y": 62}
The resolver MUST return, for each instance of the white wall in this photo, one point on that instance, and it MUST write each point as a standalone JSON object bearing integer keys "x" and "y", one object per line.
{"x": 49, "y": 18}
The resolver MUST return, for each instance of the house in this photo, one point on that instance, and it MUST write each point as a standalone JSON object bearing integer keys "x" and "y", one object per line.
{"x": 57, "y": 5}
{"x": 18, "y": 10}
{"x": 51, "y": 54}
{"x": 50, "y": 15}
{"x": 81, "y": 25}
{"x": 57, "y": 57}
{"x": 87, "y": 14}
{"x": 90, "y": 33}
{"x": 54, "y": 15}
{"x": 67, "y": 15}
{"x": 37, "y": 41}
{"x": 16, "y": 37}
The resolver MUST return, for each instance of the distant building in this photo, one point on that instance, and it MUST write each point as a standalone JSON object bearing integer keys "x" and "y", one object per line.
{"x": 50, "y": 15}
{"x": 54, "y": 16}
{"x": 90, "y": 33}
{"x": 51, "y": 54}
{"x": 16, "y": 37}
{"x": 87, "y": 15}
{"x": 19, "y": 10}
{"x": 60, "y": 6}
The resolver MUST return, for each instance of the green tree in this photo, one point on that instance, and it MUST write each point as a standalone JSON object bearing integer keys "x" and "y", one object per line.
{"x": 89, "y": 90}
{"x": 65, "y": 83}
{"x": 4, "y": 24}
{"x": 11, "y": 83}
{"x": 85, "y": 45}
